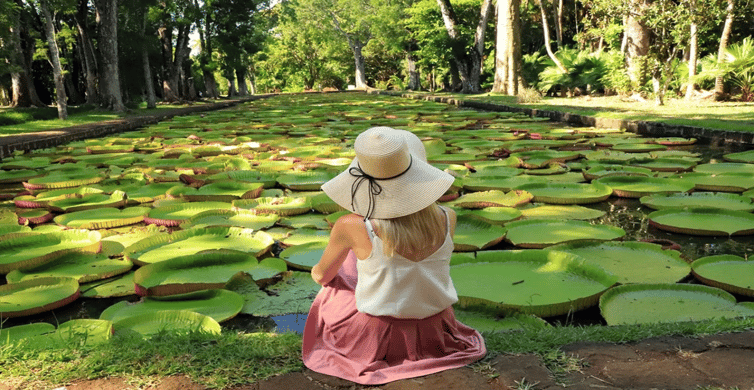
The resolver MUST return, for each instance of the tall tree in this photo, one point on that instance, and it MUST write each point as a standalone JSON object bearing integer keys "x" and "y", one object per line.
{"x": 636, "y": 34}
{"x": 22, "y": 48}
{"x": 508, "y": 47}
{"x": 176, "y": 20}
{"x": 548, "y": 46}
{"x": 693, "y": 49}
{"x": 87, "y": 50}
{"x": 468, "y": 62}
{"x": 206, "y": 27}
{"x": 109, "y": 78}
{"x": 724, "y": 38}
{"x": 54, "y": 54}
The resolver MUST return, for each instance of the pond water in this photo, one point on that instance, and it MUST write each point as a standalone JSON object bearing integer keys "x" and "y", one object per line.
{"x": 626, "y": 213}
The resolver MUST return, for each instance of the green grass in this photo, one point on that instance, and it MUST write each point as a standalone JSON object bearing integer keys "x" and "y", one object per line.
{"x": 31, "y": 120}
{"x": 730, "y": 116}
{"x": 236, "y": 358}
{"x": 216, "y": 361}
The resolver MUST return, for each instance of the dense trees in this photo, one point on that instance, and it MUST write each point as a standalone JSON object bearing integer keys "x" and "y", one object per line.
{"x": 114, "y": 54}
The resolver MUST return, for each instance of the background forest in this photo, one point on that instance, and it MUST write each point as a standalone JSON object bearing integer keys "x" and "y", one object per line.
{"x": 118, "y": 54}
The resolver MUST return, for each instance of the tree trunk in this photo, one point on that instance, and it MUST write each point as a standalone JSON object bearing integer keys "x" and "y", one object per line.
{"x": 90, "y": 62}
{"x": 559, "y": 24}
{"x": 727, "y": 27}
{"x": 172, "y": 63}
{"x": 243, "y": 90}
{"x": 693, "y": 55}
{"x": 205, "y": 42}
{"x": 23, "y": 89}
{"x": 57, "y": 69}
{"x": 148, "y": 81}
{"x": 548, "y": 47}
{"x": 109, "y": 80}
{"x": 637, "y": 43}
{"x": 358, "y": 57}
{"x": 469, "y": 66}
{"x": 414, "y": 78}
{"x": 508, "y": 47}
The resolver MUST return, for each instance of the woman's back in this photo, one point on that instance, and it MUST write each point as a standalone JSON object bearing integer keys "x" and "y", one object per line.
{"x": 390, "y": 284}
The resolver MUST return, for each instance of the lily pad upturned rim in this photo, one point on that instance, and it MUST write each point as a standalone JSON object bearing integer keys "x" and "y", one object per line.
{"x": 538, "y": 257}
{"x": 92, "y": 219}
{"x": 611, "y": 232}
{"x": 726, "y": 285}
{"x": 68, "y": 292}
{"x": 172, "y": 320}
{"x": 658, "y": 219}
{"x": 713, "y": 199}
{"x": 615, "y": 292}
{"x": 567, "y": 193}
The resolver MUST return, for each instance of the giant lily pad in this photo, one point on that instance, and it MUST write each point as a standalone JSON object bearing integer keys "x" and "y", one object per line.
{"x": 539, "y": 282}
{"x": 28, "y": 250}
{"x": 492, "y": 215}
{"x": 43, "y": 198}
{"x": 548, "y": 211}
{"x": 703, "y": 221}
{"x": 173, "y": 215}
{"x": 698, "y": 199}
{"x": 599, "y": 171}
{"x": 36, "y": 296}
{"x": 728, "y": 182}
{"x": 63, "y": 180}
{"x": 220, "y": 191}
{"x": 283, "y": 206}
{"x": 740, "y": 157}
{"x": 149, "y": 324}
{"x": 240, "y": 218}
{"x": 187, "y": 242}
{"x": 204, "y": 270}
{"x": 729, "y": 272}
{"x": 493, "y": 198}
{"x": 567, "y": 193}
{"x": 638, "y": 186}
{"x": 305, "y": 181}
{"x": 665, "y": 164}
{"x": 119, "y": 286}
{"x": 631, "y": 262}
{"x": 303, "y": 256}
{"x": 473, "y": 234}
{"x": 725, "y": 168}
{"x": 219, "y": 304}
{"x": 88, "y": 202}
{"x": 657, "y": 303}
{"x": 84, "y": 267}
{"x": 294, "y": 293}
{"x": 498, "y": 183}
{"x": 150, "y": 192}
{"x": 540, "y": 233}
{"x": 19, "y": 332}
{"x": 104, "y": 218}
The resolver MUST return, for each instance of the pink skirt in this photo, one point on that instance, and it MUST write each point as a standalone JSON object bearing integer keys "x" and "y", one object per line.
{"x": 343, "y": 342}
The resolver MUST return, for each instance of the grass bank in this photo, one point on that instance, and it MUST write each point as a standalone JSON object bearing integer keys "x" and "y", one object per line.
{"x": 729, "y": 116}
{"x": 31, "y": 120}
{"x": 236, "y": 358}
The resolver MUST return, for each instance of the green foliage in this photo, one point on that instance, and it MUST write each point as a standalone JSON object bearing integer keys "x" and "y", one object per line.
{"x": 585, "y": 71}
{"x": 737, "y": 70}
{"x": 615, "y": 78}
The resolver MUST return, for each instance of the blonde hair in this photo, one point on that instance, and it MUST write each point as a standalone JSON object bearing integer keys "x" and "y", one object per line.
{"x": 413, "y": 232}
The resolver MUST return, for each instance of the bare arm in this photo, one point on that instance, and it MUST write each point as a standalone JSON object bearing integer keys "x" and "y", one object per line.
{"x": 343, "y": 237}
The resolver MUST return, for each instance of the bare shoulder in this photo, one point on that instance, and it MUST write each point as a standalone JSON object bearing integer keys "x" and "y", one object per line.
{"x": 350, "y": 221}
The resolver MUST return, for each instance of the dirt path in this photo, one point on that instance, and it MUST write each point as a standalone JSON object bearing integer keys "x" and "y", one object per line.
{"x": 724, "y": 361}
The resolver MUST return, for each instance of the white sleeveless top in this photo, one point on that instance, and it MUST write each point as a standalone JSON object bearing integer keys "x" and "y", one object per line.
{"x": 398, "y": 287}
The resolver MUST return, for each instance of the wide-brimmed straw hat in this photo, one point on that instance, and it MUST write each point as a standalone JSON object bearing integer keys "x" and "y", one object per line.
{"x": 386, "y": 180}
